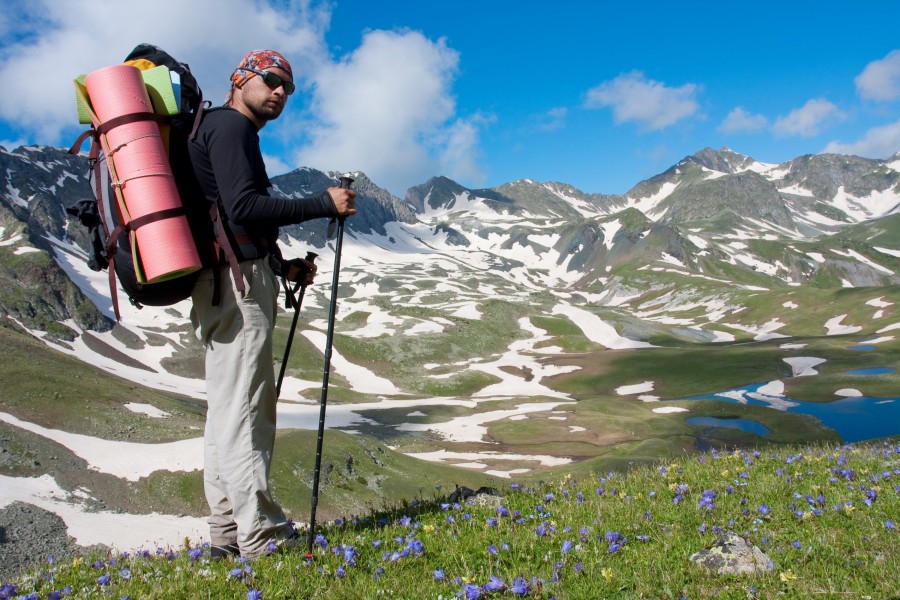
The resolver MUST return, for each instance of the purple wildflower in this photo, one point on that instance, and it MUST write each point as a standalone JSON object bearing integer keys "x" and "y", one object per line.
{"x": 707, "y": 499}
{"x": 520, "y": 586}
{"x": 103, "y": 579}
{"x": 439, "y": 575}
{"x": 471, "y": 591}
{"x": 495, "y": 584}
{"x": 567, "y": 546}
{"x": 416, "y": 546}
{"x": 254, "y": 595}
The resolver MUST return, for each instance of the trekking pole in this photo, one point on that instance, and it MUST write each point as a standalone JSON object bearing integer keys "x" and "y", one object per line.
{"x": 295, "y": 302}
{"x": 329, "y": 339}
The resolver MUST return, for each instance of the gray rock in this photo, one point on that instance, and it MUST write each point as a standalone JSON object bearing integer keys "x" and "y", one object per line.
{"x": 733, "y": 555}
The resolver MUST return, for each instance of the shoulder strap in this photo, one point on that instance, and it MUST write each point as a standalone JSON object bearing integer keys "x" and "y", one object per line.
{"x": 224, "y": 243}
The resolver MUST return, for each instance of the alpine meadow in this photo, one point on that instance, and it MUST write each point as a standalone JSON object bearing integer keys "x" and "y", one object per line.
{"x": 535, "y": 391}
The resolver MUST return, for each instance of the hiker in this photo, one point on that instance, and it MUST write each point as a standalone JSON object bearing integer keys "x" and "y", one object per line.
{"x": 237, "y": 331}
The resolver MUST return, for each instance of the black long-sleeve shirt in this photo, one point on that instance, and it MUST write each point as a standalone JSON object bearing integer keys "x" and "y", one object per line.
{"x": 228, "y": 165}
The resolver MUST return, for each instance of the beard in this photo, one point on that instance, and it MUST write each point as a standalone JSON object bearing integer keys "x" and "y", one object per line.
{"x": 267, "y": 110}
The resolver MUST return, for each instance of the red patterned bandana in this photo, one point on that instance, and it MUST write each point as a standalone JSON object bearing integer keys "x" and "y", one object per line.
{"x": 259, "y": 60}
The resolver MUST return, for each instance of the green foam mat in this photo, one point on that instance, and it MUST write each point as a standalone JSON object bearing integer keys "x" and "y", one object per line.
{"x": 159, "y": 87}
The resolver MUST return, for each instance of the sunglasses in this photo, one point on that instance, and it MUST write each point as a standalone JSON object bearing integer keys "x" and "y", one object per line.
{"x": 272, "y": 80}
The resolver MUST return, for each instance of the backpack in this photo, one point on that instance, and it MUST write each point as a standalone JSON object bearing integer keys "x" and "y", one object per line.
{"x": 110, "y": 232}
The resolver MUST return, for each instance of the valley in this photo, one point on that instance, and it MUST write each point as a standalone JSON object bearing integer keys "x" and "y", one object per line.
{"x": 483, "y": 337}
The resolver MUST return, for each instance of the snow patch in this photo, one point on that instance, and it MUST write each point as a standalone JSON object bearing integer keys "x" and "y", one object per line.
{"x": 802, "y": 366}
{"x": 147, "y": 409}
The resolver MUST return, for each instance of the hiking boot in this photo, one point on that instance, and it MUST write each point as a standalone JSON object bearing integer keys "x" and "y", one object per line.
{"x": 293, "y": 543}
{"x": 218, "y": 552}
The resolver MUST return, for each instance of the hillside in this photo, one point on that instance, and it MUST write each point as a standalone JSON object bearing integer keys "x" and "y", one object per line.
{"x": 529, "y": 330}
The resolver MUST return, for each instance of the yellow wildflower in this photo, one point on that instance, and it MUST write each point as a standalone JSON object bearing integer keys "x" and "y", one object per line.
{"x": 428, "y": 528}
{"x": 788, "y": 576}
{"x": 607, "y": 574}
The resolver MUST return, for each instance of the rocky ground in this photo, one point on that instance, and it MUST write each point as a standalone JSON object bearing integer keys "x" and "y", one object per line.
{"x": 29, "y": 536}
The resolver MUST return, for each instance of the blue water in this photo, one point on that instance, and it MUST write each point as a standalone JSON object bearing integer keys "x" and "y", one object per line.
{"x": 740, "y": 424}
{"x": 863, "y": 347}
{"x": 874, "y": 371}
{"x": 854, "y": 419}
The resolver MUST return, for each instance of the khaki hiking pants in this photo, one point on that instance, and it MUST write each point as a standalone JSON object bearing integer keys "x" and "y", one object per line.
{"x": 240, "y": 419}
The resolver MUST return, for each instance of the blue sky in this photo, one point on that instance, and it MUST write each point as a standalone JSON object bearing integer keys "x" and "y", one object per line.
{"x": 600, "y": 95}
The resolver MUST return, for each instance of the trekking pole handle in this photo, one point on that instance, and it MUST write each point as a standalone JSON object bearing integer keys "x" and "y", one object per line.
{"x": 345, "y": 182}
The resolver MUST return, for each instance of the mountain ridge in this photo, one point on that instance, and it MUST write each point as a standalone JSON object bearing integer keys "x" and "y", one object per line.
{"x": 496, "y": 331}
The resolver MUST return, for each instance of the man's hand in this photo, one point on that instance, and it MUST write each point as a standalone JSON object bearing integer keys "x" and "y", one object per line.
{"x": 300, "y": 270}
{"x": 344, "y": 200}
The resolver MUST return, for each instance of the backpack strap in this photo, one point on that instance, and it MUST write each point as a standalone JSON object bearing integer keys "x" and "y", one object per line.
{"x": 225, "y": 245}
{"x": 111, "y": 237}
{"x": 198, "y": 117}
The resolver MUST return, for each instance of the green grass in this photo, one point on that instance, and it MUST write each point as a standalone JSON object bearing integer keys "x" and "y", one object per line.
{"x": 42, "y": 386}
{"x": 825, "y": 515}
{"x": 358, "y": 474}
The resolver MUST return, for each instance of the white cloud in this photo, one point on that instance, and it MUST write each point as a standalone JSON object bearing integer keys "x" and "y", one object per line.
{"x": 741, "y": 121}
{"x": 11, "y": 145}
{"x": 387, "y": 109}
{"x": 71, "y": 38}
{"x": 275, "y": 166}
{"x": 807, "y": 120}
{"x": 654, "y": 105}
{"x": 878, "y": 142}
{"x": 459, "y": 157}
{"x": 552, "y": 120}
{"x": 880, "y": 80}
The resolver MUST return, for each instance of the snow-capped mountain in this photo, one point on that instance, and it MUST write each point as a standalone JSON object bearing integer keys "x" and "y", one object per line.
{"x": 715, "y": 223}
{"x": 461, "y": 313}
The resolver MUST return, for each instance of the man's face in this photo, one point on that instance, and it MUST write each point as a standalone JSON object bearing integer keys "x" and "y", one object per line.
{"x": 264, "y": 102}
